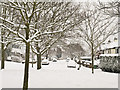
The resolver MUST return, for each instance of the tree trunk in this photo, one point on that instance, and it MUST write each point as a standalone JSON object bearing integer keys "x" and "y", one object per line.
{"x": 92, "y": 54}
{"x": 2, "y": 44}
{"x": 26, "y": 70}
{"x": 46, "y": 54}
{"x": 32, "y": 60}
{"x": 2, "y": 52}
{"x": 38, "y": 61}
{"x": 38, "y": 58}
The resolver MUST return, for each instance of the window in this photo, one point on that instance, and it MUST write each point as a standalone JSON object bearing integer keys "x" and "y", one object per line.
{"x": 116, "y": 50}
{"x": 109, "y": 51}
{"x": 103, "y": 52}
{"x": 115, "y": 39}
{"x": 109, "y": 41}
{"x": 106, "y": 51}
{"x": 113, "y": 51}
{"x": 119, "y": 50}
{"x": 103, "y": 43}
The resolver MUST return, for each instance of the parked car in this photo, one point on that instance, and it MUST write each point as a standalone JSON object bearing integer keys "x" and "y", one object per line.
{"x": 54, "y": 60}
{"x": 9, "y": 58}
{"x": 45, "y": 62}
{"x": 16, "y": 59}
{"x": 68, "y": 59}
{"x": 89, "y": 64}
{"x": 86, "y": 61}
{"x": 88, "y": 58}
{"x": 71, "y": 64}
{"x": 50, "y": 59}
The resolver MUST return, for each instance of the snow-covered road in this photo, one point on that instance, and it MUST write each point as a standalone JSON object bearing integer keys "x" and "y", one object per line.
{"x": 56, "y": 75}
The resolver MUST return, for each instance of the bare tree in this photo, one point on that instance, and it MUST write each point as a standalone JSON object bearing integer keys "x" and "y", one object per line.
{"x": 111, "y": 8}
{"x": 56, "y": 19}
{"x": 6, "y": 36}
{"x": 34, "y": 21}
{"x": 24, "y": 18}
{"x": 96, "y": 29}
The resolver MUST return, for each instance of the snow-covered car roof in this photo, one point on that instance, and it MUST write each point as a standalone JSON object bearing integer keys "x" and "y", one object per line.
{"x": 109, "y": 55}
{"x": 68, "y": 58}
{"x": 95, "y": 62}
{"x": 71, "y": 63}
{"x": 45, "y": 60}
{"x": 86, "y": 57}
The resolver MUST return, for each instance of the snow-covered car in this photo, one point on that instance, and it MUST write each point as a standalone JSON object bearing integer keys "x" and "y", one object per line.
{"x": 16, "y": 59}
{"x": 45, "y": 62}
{"x": 71, "y": 64}
{"x": 88, "y": 58}
{"x": 9, "y": 58}
{"x": 54, "y": 60}
{"x": 89, "y": 64}
{"x": 68, "y": 59}
{"x": 42, "y": 58}
{"x": 50, "y": 59}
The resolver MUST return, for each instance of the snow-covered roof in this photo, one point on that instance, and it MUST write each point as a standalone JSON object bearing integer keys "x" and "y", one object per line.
{"x": 109, "y": 55}
{"x": 95, "y": 62}
{"x": 110, "y": 45}
{"x": 111, "y": 42}
{"x": 86, "y": 57}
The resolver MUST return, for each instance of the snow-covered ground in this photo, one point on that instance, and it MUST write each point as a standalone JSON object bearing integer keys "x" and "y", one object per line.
{"x": 56, "y": 75}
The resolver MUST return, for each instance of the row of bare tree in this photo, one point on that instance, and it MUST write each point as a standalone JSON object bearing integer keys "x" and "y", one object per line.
{"x": 39, "y": 25}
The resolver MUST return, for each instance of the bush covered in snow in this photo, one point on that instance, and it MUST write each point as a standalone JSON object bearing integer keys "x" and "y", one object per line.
{"x": 110, "y": 63}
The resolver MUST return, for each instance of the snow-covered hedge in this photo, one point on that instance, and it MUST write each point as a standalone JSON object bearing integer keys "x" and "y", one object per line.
{"x": 110, "y": 63}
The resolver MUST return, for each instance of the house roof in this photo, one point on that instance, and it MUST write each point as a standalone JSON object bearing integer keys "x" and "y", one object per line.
{"x": 111, "y": 42}
{"x": 110, "y": 45}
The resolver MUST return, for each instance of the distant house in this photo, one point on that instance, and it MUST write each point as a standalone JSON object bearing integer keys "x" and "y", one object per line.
{"x": 110, "y": 54}
{"x": 17, "y": 53}
{"x": 111, "y": 45}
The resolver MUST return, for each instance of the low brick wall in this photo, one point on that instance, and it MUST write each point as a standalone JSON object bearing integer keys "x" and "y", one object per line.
{"x": 110, "y": 63}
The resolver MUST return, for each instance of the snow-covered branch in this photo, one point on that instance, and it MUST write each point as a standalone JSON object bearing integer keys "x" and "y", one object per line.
{"x": 1, "y": 18}
{"x": 14, "y": 32}
{"x": 34, "y": 50}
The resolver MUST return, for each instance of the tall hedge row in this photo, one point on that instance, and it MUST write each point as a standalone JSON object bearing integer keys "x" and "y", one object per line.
{"x": 110, "y": 63}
